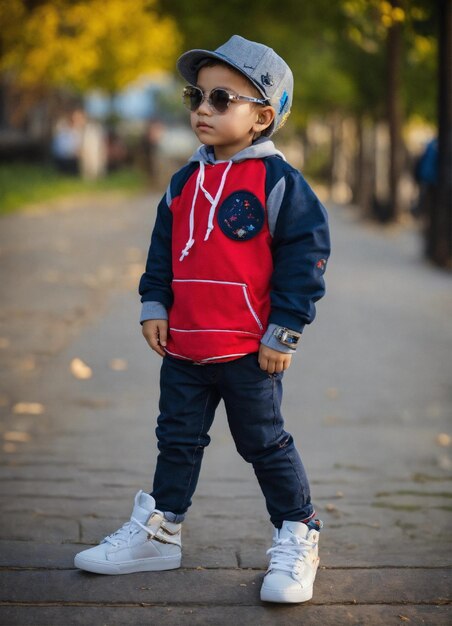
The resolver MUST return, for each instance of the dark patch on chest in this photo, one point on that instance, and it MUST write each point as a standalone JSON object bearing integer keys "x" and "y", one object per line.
{"x": 241, "y": 216}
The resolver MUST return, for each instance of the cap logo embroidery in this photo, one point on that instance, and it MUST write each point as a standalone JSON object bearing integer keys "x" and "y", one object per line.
{"x": 283, "y": 102}
{"x": 241, "y": 216}
{"x": 267, "y": 79}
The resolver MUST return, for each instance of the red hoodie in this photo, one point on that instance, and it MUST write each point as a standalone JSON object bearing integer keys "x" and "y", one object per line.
{"x": 238, "y": 249}
{"x": 221, "y": 285}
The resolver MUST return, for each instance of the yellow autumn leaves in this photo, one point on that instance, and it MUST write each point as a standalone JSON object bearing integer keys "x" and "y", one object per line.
{"x": 369, "y": 21}
{"x": 87, "y": 43}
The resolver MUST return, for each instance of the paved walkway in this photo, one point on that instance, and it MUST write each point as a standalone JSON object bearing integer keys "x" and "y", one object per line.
{"x": 368, "y": 399}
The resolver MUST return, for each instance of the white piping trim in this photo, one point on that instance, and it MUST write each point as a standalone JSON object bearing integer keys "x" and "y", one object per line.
{"x": 223, "y": 356}
{"x": 211, "y": 358}
{"x": 201, "y": 280}
{"x": 244, "y": 287}
{"x": 252, "y": 311}
{"x": 179, "y": 356}
{"x": 214, "y": 330}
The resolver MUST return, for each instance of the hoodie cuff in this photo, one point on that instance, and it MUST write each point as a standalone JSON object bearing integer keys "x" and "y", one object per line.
{"x": 270, "y": 341}
{"x": 153, "y": 311}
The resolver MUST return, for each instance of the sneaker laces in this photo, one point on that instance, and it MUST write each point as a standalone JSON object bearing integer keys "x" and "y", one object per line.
{"x": 287, "y": 554}
{"x": 126, "y": 532}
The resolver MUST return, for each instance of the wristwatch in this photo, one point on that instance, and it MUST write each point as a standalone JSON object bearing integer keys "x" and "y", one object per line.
{"x": 289, "y": 338}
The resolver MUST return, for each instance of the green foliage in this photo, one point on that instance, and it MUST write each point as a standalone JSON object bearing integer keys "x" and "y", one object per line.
{"x": 337, "y": 50}
{"x": 84, "y": 44}
{"x": 22, "y": 184}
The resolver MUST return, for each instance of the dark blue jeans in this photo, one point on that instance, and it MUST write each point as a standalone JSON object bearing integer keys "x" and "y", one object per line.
{"x": 189, "y": 395}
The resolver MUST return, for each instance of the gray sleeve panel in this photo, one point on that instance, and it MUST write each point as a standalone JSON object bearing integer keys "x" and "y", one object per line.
{"x": 153, "y": 311}
{"x": 168, "y": 196}
{"x": 274, "y": 201}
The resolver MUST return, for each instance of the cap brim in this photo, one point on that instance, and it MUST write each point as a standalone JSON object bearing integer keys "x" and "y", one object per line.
{"x": 188, "y": 66}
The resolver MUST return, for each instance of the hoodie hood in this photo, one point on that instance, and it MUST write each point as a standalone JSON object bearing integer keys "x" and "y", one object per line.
{"x": 261, "y": 148}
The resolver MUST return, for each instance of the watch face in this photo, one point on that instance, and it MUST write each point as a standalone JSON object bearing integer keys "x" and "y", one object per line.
{"x": 286, "y": 338}
{"x": 241, "y": 216}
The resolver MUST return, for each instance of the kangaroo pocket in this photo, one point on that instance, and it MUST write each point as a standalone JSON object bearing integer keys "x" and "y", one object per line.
{"x": 211, "y": 305}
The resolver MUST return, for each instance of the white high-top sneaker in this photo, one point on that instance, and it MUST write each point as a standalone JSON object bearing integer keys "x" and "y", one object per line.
{"x": 293, "y": 564}
{"x": 148, "y": 542}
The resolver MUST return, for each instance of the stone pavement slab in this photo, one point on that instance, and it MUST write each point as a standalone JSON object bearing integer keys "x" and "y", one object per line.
{"x": 367, "y": 400}
{"x": 223, "y": 587}
{"x": 369, "y": 615}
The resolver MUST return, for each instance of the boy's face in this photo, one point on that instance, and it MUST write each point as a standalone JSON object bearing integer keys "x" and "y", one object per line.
{"x": 235, "y": 129}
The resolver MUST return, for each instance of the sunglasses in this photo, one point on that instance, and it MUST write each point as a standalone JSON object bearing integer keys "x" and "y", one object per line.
{"x": 218, "y": 99}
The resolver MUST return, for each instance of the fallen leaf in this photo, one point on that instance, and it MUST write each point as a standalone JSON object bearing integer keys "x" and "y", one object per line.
{"x": 4, "y": 342}
{"x": 332, "y": 393}
{"x": 118, "y": 365}
{"x": 28, "y": 408}
{"x": 28, "y": 364}
{"x": 16, "y": 436}
{"x": 330, "y": 508}
{"x": 404, "y": 618}
{"x": 443, "y": 440}
{"x": 80, "y": 369}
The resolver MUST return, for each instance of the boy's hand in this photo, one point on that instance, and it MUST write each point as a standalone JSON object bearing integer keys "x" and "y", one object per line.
{"x": 156, "y": 332}
{"x": 273, "y": 361}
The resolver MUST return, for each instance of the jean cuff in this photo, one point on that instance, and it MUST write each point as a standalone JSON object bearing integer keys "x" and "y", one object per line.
{"x": 174, "y": 518}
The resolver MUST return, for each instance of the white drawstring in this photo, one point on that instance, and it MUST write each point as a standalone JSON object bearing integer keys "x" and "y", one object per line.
{"x": 214, "y": 201}
{"x": 191, "y": 241}
{"x": 213, "y": 205}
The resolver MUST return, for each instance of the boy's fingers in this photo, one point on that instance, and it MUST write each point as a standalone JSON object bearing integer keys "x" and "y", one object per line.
{"x": 158, "y": 341}
{"x": 162, "y": 335}
{"x": 152, "y": 337}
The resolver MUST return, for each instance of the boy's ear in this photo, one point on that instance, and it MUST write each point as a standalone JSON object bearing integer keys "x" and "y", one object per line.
{"x": 265, "y": 116}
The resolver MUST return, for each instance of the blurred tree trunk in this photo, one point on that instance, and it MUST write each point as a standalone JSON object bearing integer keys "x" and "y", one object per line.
{"x": 335, "y": 139}
{"x": 439, "y": 229}
{"x": 343, "y": 150}
{"x": 394, "y": 113}
{"x": 364, "y": 184}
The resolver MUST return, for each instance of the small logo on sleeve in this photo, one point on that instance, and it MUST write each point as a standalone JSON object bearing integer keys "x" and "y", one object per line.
{"x": 241, "y": 216}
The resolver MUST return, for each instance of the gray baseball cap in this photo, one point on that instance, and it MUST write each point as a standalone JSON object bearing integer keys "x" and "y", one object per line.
{"x": 268, "y": 72}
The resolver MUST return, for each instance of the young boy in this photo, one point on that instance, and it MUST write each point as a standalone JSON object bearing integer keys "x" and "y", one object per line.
{"x": 235, "y": 266}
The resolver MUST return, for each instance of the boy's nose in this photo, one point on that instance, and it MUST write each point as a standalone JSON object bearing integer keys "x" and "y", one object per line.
{"x": 204, "y": 108}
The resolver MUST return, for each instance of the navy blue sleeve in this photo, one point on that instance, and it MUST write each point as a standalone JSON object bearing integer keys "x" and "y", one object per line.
{"x": 301, "y": 247}
{"x": 155, "y": 284}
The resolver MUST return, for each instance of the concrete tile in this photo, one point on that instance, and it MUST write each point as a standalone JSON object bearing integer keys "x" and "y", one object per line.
{"x": 34, "y": 527}
{"x": 226, "y": 587}
{"x": 261, "y": 615}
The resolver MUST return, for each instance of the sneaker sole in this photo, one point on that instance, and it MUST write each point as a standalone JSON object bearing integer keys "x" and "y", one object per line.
{"x": 154, "y": 564}
{"x": 279, "y": 595}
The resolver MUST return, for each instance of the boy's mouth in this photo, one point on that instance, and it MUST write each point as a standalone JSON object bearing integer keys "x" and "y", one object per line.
{"x": 202, "y": 125}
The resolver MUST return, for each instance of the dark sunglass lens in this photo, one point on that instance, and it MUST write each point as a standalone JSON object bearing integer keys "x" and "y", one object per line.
{"x": 219, "y": 99}
{"x": 192, "y": 98}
